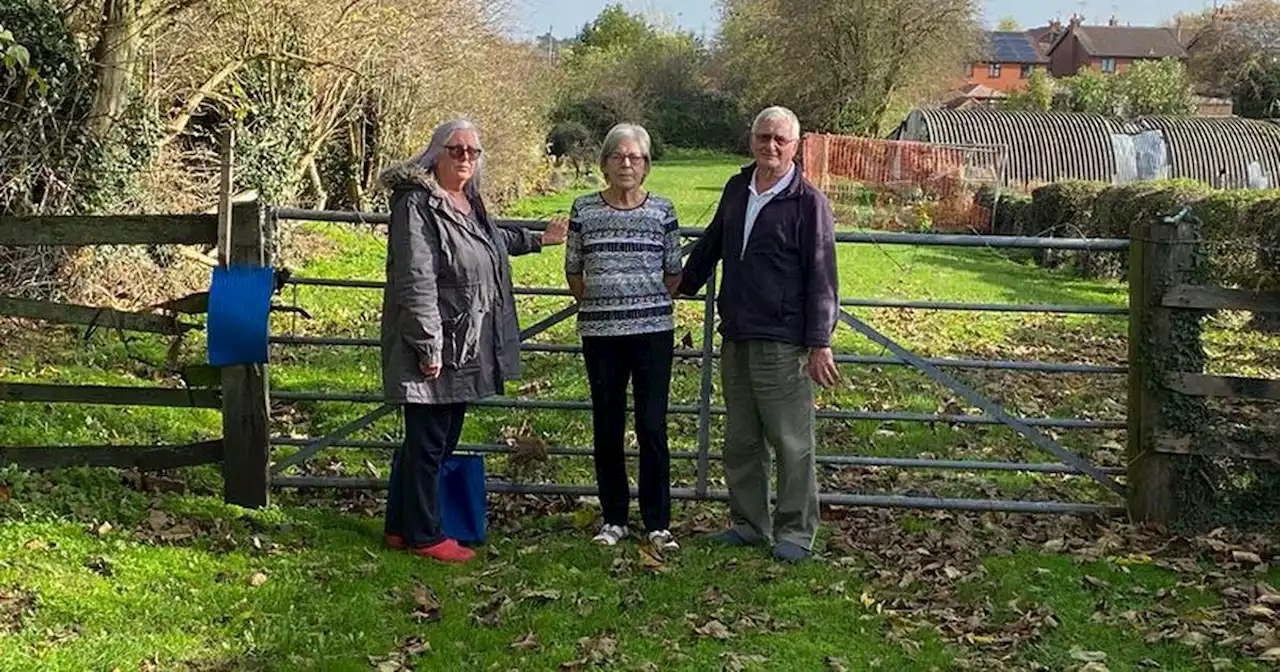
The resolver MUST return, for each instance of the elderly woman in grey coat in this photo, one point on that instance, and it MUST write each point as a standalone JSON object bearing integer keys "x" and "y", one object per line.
{"x": 449, "y": 330}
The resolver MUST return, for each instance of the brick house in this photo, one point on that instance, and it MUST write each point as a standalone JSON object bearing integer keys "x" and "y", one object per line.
{"x": 1111, "y": 48}
{"x": 1011, "y": 58}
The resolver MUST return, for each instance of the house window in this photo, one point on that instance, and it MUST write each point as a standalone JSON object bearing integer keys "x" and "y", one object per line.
{"x": 1108, "y": 65}
{"x": 993, "y": 71}
{"x": 968, "y": 70}
{"x": 1026, "y": 71}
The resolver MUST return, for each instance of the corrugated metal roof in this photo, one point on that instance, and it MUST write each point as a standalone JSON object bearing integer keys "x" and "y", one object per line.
{"x": 1053, "y": 146}
{"x": 1129, "y": 42}
{"x": 1040, "y": 146}
{"x": 1219, "y": 150}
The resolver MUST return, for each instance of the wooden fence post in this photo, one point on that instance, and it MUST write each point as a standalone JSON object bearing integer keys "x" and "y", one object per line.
{"x": 1161, "y": 255}
{"x": 246, "y": 460}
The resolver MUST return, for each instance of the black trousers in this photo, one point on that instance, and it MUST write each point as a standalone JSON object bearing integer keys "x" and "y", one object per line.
{"x": 645, "y": 361}
{"x": 431, "y": 432}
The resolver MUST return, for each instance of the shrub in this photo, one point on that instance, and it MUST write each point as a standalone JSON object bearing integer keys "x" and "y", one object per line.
{"x": 1005, "y": 210}
{"x": 1224, "y": 221}
{"x": 1061, "y": 210}
{"x": 570, "y": 138}
{"x": 1117, "y": 208}
{"x": 657, "y": 145}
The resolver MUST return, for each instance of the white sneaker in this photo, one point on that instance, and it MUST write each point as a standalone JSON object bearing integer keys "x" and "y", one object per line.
{"x": 663, "y": 540}
{"x": 610, "y": 535}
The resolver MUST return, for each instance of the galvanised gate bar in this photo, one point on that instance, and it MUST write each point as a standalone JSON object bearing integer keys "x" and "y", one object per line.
{"x": 934, "y": 368}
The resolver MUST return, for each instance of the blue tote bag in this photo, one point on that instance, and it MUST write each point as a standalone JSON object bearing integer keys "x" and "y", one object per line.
{"x": 463, "y": 514}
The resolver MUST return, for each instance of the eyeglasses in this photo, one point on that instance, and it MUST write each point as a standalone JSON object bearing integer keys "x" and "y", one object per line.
{"x": 460, "y": 152}
{"x": 633, "y": 158}
{"x": 768, "y": 138}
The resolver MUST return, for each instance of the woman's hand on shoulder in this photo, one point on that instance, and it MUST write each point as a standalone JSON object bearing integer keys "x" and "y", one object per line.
{"x": 557, "y": 229}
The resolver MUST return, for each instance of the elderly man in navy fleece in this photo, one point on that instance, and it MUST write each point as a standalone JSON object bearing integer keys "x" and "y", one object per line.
{"x": 778, "y": 303}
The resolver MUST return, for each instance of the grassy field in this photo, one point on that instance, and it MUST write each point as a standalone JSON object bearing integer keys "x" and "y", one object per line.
{"x": 99, "y": 570}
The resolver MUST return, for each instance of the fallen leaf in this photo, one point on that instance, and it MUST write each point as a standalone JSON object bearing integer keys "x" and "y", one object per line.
{"x": 1194, "y": 639}
{"x": 1246, "y": 556}
{"x": 713, "y": 595}
{"x": 650, "y": 557}
{"x": 1261, "y": 612}
{"x": 426, "y": 606}
{"x": 5, "y": 493}
{"x": 714, "y": 629}
{"x": 527, "y": 643}
{"x": 35, "y": 545}
{"x": 176, "y": 533}
{"x": 1084, "y": 656}
{"x": 540, "y": 595}
{"x": 257, "y": 579}
{"x": 1095, "y": 582}
{"x": 736, "y": 662}
{"x": 157, "y": 519}
{"x": 102, "y": 529}
{"x": 491, "y": 614}
{"x": 835, "y": 664}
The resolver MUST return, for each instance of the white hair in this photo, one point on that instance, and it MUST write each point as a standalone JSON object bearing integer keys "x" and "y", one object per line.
{"x": 777, "y": 112}
{"x": 620, "y": 133}
{"x": 430, "y": 155}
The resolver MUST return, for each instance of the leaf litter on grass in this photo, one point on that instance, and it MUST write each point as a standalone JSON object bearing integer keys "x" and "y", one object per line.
{"x": 917, "y": 574}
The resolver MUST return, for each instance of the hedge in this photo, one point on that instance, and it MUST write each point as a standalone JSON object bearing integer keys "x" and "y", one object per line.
{"x": 1117, "y": 208}
{"x": 1010, "y": 210}
{"x": 1061, "y": 210}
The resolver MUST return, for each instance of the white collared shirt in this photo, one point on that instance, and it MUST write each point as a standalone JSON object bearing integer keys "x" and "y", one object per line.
{"x": 757, "y": 201}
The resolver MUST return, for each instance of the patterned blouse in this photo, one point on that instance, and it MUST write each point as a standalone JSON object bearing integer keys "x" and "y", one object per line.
{"x": 622, "y": 256}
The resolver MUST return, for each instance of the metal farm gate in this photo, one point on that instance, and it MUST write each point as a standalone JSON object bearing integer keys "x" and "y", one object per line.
{"x": 935, "y": 368}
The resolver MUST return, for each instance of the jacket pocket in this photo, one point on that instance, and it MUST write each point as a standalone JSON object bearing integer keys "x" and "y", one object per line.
{"x": 461, "y": 321}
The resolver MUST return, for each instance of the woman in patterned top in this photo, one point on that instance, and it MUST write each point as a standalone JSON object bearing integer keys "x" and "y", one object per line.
{"x": 622, "y": 263}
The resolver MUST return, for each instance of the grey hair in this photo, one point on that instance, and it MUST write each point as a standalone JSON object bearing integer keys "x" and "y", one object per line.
{"x": 430, "y": 156}
{"x": 617, "y": 135}
{"x": 777, "y": 112}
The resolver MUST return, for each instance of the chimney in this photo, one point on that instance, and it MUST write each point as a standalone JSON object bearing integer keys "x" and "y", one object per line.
{"x": 1113, "y": 21}
{"x": 1075, "y": 20}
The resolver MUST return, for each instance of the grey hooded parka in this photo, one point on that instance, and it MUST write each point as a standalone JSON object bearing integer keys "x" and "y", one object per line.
{"x": 448, "y": 298}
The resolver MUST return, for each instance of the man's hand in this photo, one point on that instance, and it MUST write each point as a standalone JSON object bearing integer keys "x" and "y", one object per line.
{"x": 822, "y": 367}
{"x": 431, "y": 371}
{"x": 557, "y": 228}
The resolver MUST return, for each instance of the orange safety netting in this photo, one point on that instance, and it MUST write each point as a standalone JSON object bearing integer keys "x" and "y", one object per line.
{"x": 898, "y": 185}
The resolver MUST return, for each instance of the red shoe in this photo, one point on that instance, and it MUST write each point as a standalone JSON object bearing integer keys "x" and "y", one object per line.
{"x": 394, "y": 541}
{"x": 445, "y": 551}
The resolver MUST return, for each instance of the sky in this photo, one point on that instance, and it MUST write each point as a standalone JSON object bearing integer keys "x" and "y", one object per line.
{"x": 565, "y": 17}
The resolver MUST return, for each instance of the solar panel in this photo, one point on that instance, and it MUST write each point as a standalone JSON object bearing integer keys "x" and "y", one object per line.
{"x": 1013, "y": 48}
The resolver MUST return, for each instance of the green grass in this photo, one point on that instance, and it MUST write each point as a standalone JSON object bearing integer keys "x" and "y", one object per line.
{"x": 72, "y": 598}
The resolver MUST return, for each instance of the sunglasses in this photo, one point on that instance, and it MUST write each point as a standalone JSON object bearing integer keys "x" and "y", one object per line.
{"x": 460, "y": 152}
{"x": 768, "y": 138}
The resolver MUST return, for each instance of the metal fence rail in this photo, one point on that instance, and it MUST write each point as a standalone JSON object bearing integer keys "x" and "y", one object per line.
{"x": 836, "y": 460}
{"x": 705, "y": 410}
